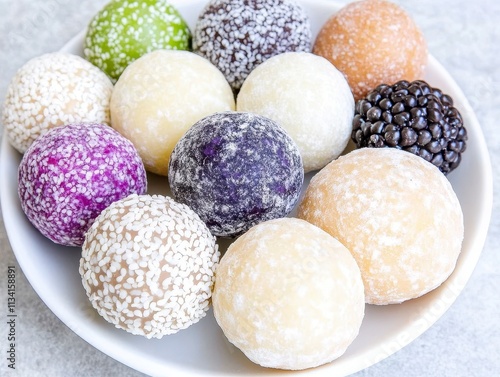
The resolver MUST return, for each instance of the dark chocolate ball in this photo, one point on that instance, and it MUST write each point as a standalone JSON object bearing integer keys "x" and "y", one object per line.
{"x": 235, "y": 170}
{"x": 238, "y": 35}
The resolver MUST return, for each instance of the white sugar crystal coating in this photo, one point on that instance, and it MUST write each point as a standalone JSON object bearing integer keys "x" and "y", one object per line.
{"x": 289, "y": 295}
{"x": 52, "y": 90}
{"x": 309, "y": 98}
{"x": 148, "y": 265}
{"x": 160, "y": 96}
{"x": 396, "y": 213}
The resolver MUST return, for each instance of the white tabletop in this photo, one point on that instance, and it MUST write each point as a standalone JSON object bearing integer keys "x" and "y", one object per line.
{"x": 463, "y": 35}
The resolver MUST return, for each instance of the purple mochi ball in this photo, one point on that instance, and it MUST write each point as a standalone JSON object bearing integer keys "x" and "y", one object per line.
{"x": 236, "y": 170}
{"x": 70, "y": 174}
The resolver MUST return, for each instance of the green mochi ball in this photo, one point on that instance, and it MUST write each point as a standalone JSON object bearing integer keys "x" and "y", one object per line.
{"x": 125, "y": 30}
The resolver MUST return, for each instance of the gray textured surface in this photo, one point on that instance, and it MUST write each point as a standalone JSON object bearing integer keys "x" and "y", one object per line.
{"x": 462, "y": 35}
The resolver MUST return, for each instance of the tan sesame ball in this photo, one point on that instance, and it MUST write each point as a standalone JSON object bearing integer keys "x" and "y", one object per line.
{"x": 373, "y": 42}
{"x": 53, "y": 90}
{"x": 148, "y": 265}
{"x": 160, "y": 96}
{"x": 396, "y": 213}
{"x": 289, "y": 295}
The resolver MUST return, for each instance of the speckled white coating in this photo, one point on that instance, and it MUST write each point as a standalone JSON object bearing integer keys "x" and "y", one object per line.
{"x": 308, "y": 97}
{"x": 160, "y": 96}
{"x": 289, "y": 295}
{"x": 148, "y": 265}
{"x": 52, "y": 90}
{"x": 124, "y": 30}
{"x": 235, "y": 170}
{"x": 238, "y": 35}
{"x": 70, "y": 174}
{"x": 396, "y": 213}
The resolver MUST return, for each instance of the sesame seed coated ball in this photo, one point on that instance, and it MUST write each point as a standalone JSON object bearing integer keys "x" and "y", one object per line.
{"x": 236, "y": 170}
{"x": 238, "y": 35}
{"x": 148, "y": 265}
{"x": 52, "y": 90}
{"x": 124, "y": 30}
{"x": 70, "y": 174}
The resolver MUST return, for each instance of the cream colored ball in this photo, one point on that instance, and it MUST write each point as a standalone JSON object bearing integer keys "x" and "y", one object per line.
{"x": 289, "y": 295}
{"x": 309, "y": 98}
{"x": 160, "y": 96}
{"x": 396, "y": 213}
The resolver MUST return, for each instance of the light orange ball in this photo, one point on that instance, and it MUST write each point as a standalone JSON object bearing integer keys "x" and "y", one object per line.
{"x": 373, "y": 42}
{"x": 396, "y": 213}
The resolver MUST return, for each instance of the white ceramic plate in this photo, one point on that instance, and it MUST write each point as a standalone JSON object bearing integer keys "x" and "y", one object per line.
{"x": 202, "y": 350}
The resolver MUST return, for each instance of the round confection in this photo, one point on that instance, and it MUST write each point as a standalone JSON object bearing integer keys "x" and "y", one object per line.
{"x": 235, "y": 170}
{"x": 396, "y": 213}
{"x": 160, "y": 96}
{"x": 238, "y": 35}
{"x": 148, "y": 265}
{"x": 311, "y": 305}
{"x": 124, "y": 30}
{"x": 53, "y": 90}
{"x": 373, "y": 42}
{"x": 309, "y": 98}
{"x": 70, "y": 174}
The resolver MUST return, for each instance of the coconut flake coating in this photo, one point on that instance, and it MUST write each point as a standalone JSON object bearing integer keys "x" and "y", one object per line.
{"x": 311, "y": 305}
{"x": 124, "y": 30}
{"x": 69, "y": 175}
{"x": 53, "y": 90}
{"x": 238, "y": 35}
{"x": 396, "y": 213}
{"x": 148, "y": 265}
{"x": 308, "y": 97}
{"x": 235, "y": 170}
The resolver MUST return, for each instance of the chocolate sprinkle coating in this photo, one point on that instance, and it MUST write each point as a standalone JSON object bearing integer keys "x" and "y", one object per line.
{"x": 236, "y": 170}
{"x": 70, "y": 174}
{"x": 238, "y": 35}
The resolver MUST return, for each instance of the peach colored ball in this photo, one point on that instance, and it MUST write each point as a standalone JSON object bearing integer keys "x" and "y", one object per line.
{"x": 373, "y": 42}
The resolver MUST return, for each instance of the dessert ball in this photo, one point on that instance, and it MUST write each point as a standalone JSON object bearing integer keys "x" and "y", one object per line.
{"x": 396, "y": 213}
{"x": 124, "y": 30}
{"x": 289, "y": 295}
{"x": 160, "y": 96}
{"x": 309, "y": 98}
{"x": 53, "y": 90}
{"x": 238, "y": 35}
{"x": 415, "y": 117}
{"x": 148, "y": 265}
{"x": 70, "y": 174}
{"x": 373, "y": 42}
{"x": 235, "y": 170}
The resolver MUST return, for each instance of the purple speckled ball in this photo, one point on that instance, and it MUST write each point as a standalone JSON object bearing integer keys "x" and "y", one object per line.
{"x": 70, "y": 174}
{"x": 236, "y": 170}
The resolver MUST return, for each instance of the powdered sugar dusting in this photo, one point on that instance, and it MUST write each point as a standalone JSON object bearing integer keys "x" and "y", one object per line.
{"x": 396, "y": 213}
{"x": 373, "y": 42}
{"x": 235, "y": 170}
{"x": 148, "y": 265}
{"x": 308, "y": 97}
{"x": 308, "y": 310}
{"x": 238, "y": 35}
